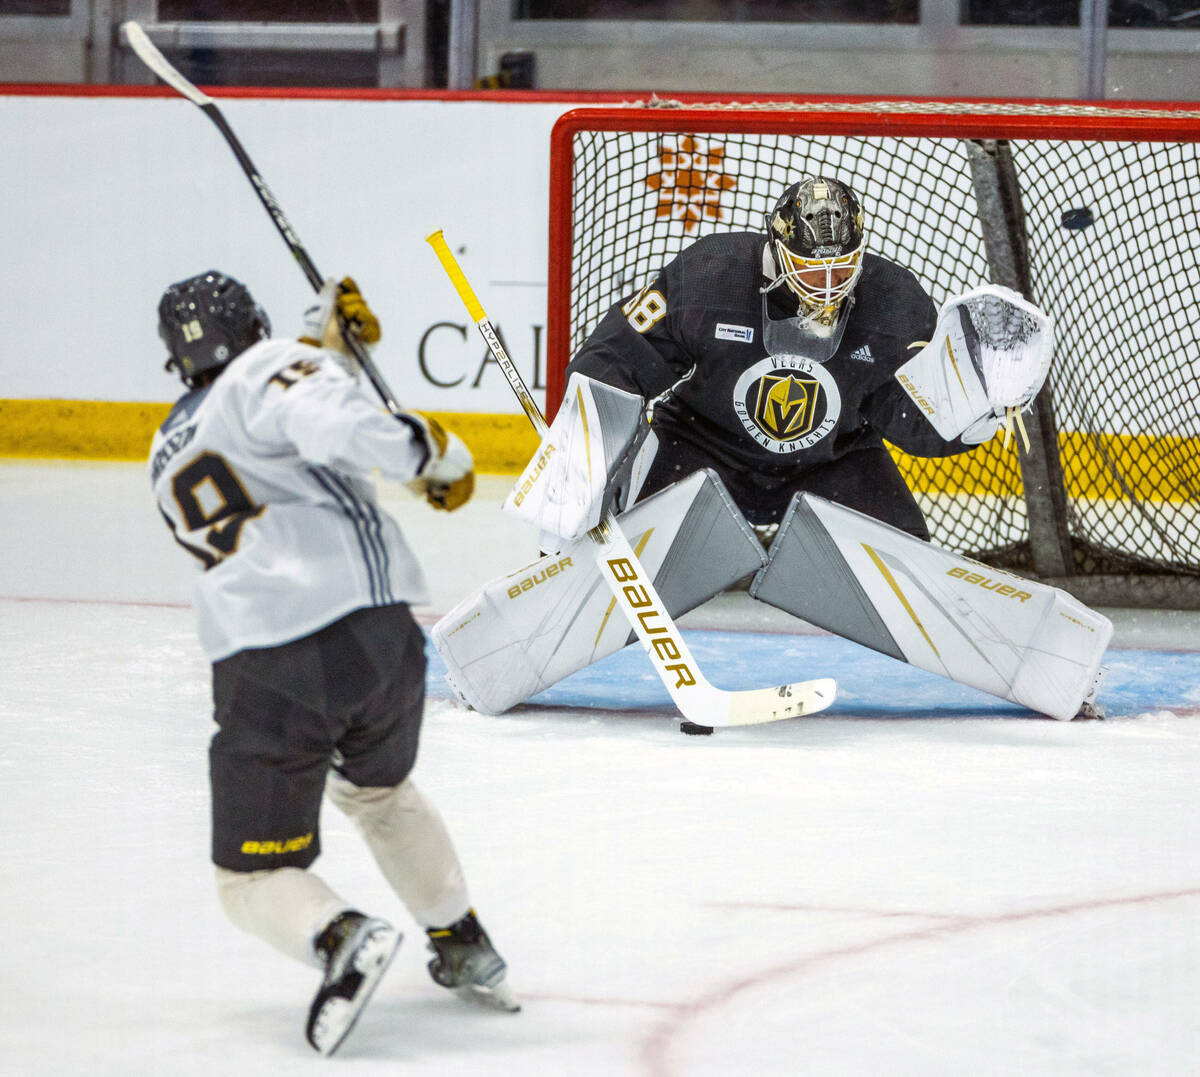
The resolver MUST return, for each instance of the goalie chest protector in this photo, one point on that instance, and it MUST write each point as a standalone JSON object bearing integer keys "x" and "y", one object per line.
{"x": 747, "y": 408}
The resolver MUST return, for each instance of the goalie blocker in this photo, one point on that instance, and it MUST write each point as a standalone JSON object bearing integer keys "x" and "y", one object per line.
{"x": 562, "y": 490}
{"x": 1011, "y": 637}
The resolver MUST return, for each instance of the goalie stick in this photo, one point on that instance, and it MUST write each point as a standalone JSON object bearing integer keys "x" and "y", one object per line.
{"x": 148, "y": 53}
{"x": 703, "y": 705}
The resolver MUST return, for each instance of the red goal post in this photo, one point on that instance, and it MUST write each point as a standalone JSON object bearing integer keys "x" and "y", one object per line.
{"x": 1088, "y": 209}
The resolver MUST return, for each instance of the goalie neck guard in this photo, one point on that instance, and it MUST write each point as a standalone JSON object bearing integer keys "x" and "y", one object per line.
{"x": 815, "y": 247}
{"x": 206, "y": 321}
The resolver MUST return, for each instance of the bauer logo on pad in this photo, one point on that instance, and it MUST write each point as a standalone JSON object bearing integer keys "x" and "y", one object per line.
{"x": 735, "y": 332}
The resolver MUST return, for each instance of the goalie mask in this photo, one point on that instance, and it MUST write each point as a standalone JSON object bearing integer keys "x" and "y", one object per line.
{"x": 206, "y": 321}
{"x": 815, "y": 237}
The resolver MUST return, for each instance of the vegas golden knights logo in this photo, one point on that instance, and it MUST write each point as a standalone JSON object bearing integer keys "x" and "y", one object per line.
{"x": 787, "y": 403}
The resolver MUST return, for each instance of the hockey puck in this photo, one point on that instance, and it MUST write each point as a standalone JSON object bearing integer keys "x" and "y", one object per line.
{"x": 1078, "y": 219}
{"x": 694, "y": 730}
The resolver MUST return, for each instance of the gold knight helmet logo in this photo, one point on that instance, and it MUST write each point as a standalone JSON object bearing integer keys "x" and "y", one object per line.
{"x": 786, "y": 405}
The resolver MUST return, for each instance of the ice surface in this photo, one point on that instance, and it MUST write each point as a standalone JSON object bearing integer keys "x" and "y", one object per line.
{"x": 921, "y": 881}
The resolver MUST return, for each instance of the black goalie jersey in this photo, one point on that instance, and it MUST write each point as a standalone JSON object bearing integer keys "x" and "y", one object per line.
{"x": 698, "y": 331}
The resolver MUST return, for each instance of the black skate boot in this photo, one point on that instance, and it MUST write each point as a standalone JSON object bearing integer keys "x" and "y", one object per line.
{"x": 357, "y": 950}
{"x": 466, "y": 962}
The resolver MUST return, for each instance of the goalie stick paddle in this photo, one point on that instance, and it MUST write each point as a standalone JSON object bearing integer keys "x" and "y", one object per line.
{"x": 148, "y": 53}
{"x": 703, "y": 705}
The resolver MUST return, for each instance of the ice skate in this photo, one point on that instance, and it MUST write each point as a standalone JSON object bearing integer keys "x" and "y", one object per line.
{"x": 466, "y": 962}
{"x": 1090, "y": 708}
{"x": 357, "y": 950}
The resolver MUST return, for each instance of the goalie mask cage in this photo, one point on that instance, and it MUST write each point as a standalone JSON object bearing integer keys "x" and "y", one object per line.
{"x": 1089, "y": 211}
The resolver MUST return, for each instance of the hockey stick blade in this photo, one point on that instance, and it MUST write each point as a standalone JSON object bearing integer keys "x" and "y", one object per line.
{"x": 699, "y": 701}
{"x": 146, "y": 51}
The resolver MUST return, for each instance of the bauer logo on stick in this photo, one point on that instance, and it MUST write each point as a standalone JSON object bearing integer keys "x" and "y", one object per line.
{"x": 653, "y": 620}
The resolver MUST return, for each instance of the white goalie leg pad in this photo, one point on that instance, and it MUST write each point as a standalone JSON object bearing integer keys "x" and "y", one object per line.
{"x": 527, "y": 630}
{"x": 285, "y": 907}
{"x": 561, "y": 491}
{"x": 861, "y": 579}
{"x": 411, "y": 845}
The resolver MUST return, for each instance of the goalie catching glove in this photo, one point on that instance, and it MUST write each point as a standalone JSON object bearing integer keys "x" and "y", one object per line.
{"x": 338, "y": 304}
{"x": 448, "y": 478}
{"x": 989, "y": 356}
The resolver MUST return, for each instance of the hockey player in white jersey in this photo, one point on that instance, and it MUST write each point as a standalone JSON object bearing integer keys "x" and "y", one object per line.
{"x": 262, "y": 472}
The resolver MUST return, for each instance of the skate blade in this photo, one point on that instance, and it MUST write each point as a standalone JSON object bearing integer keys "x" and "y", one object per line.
{"x": 499, "y": 997}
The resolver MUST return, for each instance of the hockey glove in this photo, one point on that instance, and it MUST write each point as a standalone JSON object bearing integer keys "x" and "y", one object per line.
{"x": 989, "y": 357}
{"x": 337, "y": 304}
{"x": 448, "y": 478}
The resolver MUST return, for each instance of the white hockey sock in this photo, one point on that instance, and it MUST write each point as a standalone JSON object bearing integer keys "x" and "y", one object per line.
{"x": 410, "y": 844}
{"x": 286, "y": 907}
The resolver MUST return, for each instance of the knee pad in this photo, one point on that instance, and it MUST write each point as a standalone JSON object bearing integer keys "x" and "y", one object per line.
{"x": 869, "y": 582}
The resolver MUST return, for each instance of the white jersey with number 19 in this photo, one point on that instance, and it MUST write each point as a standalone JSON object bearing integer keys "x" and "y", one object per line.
{"x": 264, "y": 476}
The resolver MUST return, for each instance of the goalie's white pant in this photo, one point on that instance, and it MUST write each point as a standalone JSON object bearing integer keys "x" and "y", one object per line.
{"x": 527, "y": 630}
{"x": 1023, "y": 641}
{"x": 288, "y": 907}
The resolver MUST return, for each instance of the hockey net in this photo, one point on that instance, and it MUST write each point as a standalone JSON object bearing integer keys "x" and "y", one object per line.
{"x": 1087, "y": 210}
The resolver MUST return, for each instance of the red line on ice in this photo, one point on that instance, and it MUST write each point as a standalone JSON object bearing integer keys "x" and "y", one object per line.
{"x": 656, "y": 1046}
{"x": 96, "y": 602}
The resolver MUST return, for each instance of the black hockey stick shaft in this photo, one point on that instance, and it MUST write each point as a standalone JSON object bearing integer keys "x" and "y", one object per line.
{"x": 272, "y": 206}
{"x": 148, "y": 53}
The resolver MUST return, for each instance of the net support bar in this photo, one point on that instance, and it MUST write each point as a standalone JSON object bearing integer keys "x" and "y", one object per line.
{"x": 1002, "y": 219}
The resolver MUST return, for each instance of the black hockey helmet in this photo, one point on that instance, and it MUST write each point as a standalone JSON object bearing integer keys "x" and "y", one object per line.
{"x": 816, "y": 236}
{"x": 206, "y": 321}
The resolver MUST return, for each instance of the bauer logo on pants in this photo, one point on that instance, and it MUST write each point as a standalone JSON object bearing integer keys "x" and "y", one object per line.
{"x": 787, "y": 403}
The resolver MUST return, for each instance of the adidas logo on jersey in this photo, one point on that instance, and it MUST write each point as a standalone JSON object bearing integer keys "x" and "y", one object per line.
{"x": 863, "y": 354}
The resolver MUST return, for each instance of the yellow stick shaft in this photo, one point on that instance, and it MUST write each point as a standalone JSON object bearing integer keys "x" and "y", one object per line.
{"x": 475, "y": 309}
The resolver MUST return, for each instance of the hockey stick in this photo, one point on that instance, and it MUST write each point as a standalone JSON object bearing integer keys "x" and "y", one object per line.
{"x": 703, "y": 705}
{"x": 148, "y": 53}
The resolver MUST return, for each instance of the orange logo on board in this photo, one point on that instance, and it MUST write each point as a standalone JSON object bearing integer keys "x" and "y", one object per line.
{"x": 690, "y": 181}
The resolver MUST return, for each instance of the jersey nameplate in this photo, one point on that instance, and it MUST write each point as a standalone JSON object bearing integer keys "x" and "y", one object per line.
{"x": 744, "y": 333}
{"x": 787, "y": 403}
{"x": 173, "y": 444}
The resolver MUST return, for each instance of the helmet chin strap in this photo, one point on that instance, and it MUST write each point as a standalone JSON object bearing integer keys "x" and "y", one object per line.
{"x": 770, "y": 270}
{"x": 823, "y": 314}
